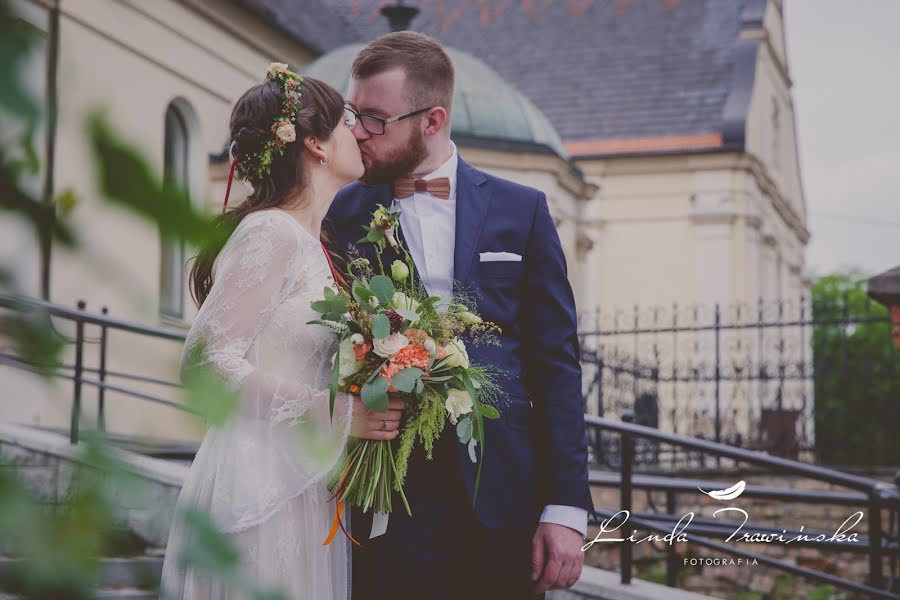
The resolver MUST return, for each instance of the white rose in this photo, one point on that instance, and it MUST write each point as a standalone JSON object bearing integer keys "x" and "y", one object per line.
{"x": 389, "y": 346}
{"x": 458, "y": 403}
{"x": 456, "y": 354}
{"x": 286, "y": 132}
{"x": 275, "y": 68}
{"x": 400, "y": 300}
{"x": 348, "y": 363}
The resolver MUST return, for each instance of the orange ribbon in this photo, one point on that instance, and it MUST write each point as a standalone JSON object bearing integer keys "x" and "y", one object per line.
{"x": 338, "y": 523}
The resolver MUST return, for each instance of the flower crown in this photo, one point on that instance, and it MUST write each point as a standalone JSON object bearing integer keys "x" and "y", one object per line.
{"x": 256, "y": 165}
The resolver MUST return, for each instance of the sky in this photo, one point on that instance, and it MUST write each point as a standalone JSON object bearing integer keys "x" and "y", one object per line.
{"x": 844, "y": 59}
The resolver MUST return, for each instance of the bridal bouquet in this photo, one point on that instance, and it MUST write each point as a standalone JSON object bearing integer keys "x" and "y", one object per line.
{"x": 394, "y": 340}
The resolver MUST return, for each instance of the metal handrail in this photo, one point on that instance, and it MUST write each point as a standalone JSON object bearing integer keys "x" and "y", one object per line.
{"x": 680, "y": 484}
{"x": 12, "y": 358}
{"x": 755, "y": 457}
{"x": 82, "y": 318}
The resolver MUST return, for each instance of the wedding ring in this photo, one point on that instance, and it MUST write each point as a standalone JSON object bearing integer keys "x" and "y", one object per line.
{"x": 384, "y": 425}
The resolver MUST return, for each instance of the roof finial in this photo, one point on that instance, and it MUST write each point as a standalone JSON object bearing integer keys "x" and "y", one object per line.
{"x": 399, "y": 15}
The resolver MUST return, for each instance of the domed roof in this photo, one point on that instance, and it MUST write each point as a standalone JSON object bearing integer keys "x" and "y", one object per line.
{"x": 485, "y": 106}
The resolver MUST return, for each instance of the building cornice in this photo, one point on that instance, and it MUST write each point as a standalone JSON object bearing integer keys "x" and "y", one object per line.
{"x": 689, "y": 162}
{"x": 524, "y": 158}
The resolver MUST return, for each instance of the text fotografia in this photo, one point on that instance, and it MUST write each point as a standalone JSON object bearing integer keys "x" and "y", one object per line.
{"x": 715, "y": 561}
{"x": 679, "y": 534}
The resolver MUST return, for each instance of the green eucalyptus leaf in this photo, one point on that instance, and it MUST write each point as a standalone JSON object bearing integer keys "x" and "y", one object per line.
{"x": 321, "y": 306}
{"x": 383, "y": 288}
{"x": 464, "y": 430}
{"x": 406, "y": 379}
{"x": 381, "y": 327}
{"x": 374, "y": 395}
{"x": 362, "y": 294}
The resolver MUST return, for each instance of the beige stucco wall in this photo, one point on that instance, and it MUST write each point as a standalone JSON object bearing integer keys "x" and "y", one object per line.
{"x": 130, "y": 60}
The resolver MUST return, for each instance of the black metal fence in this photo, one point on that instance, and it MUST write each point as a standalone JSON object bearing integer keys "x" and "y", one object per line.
{"x": 739, "y": 375}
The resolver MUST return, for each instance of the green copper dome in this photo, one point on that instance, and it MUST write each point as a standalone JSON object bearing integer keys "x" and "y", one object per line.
{"x": 485, "y": 106}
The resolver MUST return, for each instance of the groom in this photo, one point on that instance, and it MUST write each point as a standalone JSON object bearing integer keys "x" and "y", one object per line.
{"x": 494, "y": 239}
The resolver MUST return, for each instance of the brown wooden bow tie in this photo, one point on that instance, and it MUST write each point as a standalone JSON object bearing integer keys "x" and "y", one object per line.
{"x": 407, "y": 186}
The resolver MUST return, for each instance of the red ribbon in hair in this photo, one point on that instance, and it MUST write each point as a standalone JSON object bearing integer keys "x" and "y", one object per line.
{"x": 230, "y": 179}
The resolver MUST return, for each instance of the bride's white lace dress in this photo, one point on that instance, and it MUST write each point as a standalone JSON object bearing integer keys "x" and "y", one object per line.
{"x": 262, "y": 476}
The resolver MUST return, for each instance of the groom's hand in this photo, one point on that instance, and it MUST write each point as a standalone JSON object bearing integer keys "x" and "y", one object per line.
{"x": 376, "y": 426}
{"x": 556, "y": 557}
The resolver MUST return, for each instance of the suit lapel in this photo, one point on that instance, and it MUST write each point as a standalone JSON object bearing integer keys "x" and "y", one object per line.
{"x": 472, "y": 203}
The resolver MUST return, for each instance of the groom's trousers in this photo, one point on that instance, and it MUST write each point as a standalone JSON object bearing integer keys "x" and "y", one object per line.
{"x": 442, "y": 552}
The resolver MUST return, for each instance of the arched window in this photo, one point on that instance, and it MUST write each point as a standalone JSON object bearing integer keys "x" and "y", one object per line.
{"x": 175, "y": 175}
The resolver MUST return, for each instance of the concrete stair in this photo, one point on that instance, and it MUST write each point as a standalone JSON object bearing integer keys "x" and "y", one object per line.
{"x": 132, "y": 577}
{"x": 45, "y": 461}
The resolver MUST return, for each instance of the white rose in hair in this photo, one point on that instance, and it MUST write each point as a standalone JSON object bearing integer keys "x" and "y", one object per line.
{"x": 286, "y": 132}
{"x": 275, "y": 68}
{"x": 458, "y": 403}
{"x": 389, "y": 346}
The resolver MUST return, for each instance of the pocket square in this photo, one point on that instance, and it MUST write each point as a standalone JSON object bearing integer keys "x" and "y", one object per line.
{"x": 499, "y": 256}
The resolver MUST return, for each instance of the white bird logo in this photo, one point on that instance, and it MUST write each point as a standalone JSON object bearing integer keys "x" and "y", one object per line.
{"x": 727, "y": 494}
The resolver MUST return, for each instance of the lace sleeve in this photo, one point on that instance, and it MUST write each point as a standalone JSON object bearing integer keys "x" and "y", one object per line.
{"x": 258, "y": 268}
{"x": 283, "y": 440}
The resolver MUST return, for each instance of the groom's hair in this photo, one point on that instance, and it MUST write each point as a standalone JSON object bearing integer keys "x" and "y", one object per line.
{"x": 429, "y": 72}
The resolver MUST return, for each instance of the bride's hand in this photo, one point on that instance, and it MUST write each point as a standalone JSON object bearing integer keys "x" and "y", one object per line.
{"x": 376, "y": 426}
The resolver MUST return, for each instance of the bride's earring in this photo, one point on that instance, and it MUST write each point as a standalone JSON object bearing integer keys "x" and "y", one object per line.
{"x": 324, "y": 162}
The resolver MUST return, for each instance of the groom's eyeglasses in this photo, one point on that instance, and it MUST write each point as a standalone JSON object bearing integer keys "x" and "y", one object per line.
{"x": 375, "y": 125}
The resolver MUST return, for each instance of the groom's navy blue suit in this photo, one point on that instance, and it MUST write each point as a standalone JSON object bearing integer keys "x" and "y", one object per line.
{"x": 536, "y": 453}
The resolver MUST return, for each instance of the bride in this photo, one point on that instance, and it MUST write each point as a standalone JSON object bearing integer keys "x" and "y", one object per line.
{"x": 262, "y": 476}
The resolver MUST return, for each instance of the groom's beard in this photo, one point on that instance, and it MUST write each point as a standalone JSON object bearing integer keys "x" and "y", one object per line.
{"x": 399, "y": 163}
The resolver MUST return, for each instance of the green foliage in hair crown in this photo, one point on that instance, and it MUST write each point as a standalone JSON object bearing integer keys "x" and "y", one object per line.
{"x": 257, "y": 165}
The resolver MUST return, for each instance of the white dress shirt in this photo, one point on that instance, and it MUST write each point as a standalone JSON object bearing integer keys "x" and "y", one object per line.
{"x": 429, "y": 228}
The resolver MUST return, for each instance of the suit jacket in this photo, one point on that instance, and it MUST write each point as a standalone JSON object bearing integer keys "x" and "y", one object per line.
{"x": 536, "y": 453}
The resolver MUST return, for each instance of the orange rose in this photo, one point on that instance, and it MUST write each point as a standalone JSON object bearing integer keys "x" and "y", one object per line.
{"x": 388, "y": 371}
{"x": 412, "y": 355}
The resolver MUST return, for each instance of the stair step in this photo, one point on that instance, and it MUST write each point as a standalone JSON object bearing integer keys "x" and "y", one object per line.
{"x": 121, "y": 575}
{"x": 117, "y": 594}
{"x": 125, "y": 594}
